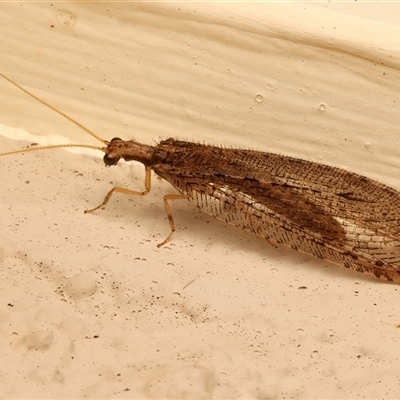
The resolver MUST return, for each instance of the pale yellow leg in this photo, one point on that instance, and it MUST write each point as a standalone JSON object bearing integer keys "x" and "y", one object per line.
{"x": 147, "y": 184}
{"x": 169, "y": 213}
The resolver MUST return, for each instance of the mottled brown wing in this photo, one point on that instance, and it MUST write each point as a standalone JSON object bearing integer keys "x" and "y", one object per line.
{"x": 324, "y": 211}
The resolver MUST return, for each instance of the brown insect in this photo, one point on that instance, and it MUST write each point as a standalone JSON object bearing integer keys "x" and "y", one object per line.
{"x": 324, "y": 211}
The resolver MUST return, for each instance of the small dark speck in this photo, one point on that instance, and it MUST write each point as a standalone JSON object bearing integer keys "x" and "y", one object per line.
{"x": 10, "y": 305}
{"x": 302, "y": 287}
{"x": 95, "y": 336}
{"x": 27, "y": 181}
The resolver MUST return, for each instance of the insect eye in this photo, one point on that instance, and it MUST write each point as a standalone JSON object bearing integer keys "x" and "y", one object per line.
{"x": 109, "y": 160}
{"x": 116, "y": 139}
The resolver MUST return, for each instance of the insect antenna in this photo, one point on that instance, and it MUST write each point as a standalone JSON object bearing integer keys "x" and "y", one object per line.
{"x": 53, "y": 146}
{"x": 84, "y": 128}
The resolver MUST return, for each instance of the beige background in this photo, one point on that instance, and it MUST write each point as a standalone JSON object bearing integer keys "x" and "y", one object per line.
{"x": 89, "y": 305}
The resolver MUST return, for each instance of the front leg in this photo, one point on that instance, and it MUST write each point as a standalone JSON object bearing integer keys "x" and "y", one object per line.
{"x": 147, "y": 185}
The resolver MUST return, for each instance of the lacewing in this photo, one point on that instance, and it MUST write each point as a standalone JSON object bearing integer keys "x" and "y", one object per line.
{"x": 324, "y": 211}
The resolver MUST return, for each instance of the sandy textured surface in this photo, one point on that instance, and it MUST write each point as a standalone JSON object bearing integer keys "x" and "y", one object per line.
{"x": 90, "y": 307}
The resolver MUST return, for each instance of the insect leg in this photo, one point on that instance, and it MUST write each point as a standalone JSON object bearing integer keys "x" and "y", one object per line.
{"x": 169, "y": 213}
{"x": 147, "y": 184}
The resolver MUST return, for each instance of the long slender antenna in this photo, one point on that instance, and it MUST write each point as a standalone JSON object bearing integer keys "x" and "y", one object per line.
{"x": 53, "y": 146}
{"x": 87, "y": 130}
